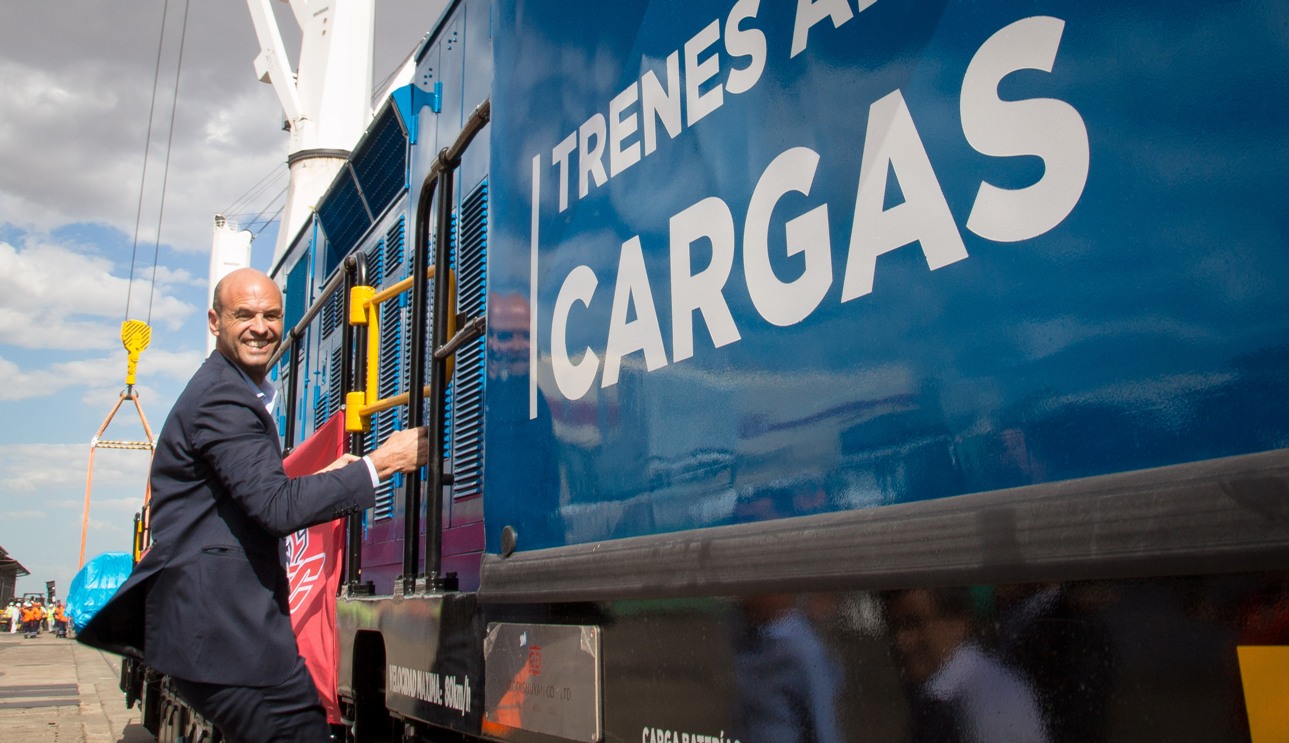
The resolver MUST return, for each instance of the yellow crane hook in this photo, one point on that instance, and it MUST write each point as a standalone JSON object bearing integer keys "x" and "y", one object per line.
{"x": 135, "y": 336}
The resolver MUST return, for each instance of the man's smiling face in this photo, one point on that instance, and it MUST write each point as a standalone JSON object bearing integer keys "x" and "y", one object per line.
{"x": 247, "y": 320}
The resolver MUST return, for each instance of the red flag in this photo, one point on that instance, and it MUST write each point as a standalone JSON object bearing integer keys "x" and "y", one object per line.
{"x": 313, "y": 569}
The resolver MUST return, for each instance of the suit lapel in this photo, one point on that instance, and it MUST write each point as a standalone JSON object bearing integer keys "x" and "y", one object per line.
{"x": 231, "y": 370}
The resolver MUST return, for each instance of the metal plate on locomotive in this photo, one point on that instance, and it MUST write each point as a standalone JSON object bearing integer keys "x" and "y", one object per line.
{"x": 544, "y": 678}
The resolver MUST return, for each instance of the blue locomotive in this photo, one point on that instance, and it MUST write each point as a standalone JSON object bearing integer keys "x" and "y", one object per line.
{"x": 814, "y": 371}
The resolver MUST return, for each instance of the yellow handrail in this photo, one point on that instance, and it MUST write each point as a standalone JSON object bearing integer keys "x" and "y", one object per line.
{"x": 364, "y": 309}
{"x": 389, "y": 403}
{"x": 393, "y": 290}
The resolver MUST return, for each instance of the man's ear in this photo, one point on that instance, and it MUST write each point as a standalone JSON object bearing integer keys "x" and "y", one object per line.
{"x": 212, "y": 322}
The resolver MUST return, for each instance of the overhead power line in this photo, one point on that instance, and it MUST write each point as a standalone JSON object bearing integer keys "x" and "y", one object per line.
{"x": 147, "y": 148}
{"x": 251, "y": 194}
{"x": 165, "y": 172}
{"x": 147, "y": 151}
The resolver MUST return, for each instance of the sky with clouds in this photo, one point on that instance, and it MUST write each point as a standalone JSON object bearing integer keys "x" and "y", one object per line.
{"x": 82, "y": 211}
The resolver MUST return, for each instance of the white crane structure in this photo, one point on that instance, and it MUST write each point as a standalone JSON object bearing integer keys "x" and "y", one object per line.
{"x": 230, "y": 249}
{"x": 326, "y": 100}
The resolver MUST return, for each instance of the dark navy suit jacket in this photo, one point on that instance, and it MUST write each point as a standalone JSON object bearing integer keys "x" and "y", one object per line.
{"x": 208, "y": 602}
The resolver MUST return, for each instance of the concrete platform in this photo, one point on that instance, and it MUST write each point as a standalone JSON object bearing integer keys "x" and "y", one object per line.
{"x": 56, "y": 690}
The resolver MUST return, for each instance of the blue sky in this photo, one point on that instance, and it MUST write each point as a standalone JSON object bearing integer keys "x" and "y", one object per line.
{"x": 74, "y": 109}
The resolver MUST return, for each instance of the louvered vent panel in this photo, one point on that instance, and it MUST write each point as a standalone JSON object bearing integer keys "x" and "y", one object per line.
{"x": 381, "y": 427}
{"x": 319, "y": 410}
{"x": 394, "y": 247}
{"x": 392, "y": 347}
{"x": 392, "y": 381}
{"x": 331, "y": 313}
{"x": 330, "y": 389}
{"x": 380, "y": 162}
{"x": 344, "y": 219}
{"x": 336, "y": 389}
{"x": 284, "y": 373}
{"x": 375, "y": 261}
{"x": 378, "y": 167}
{"x": 378, "y": 432}
{"x": 470, "y": 247}
{"x": 383, "y": 424}
{"x": 284, "y": 385}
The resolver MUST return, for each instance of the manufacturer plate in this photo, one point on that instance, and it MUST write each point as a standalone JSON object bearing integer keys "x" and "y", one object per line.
{"x": 544, "y": 678}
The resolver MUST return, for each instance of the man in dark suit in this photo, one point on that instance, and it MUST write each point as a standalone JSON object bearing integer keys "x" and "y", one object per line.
{"x": 207, "y": 605}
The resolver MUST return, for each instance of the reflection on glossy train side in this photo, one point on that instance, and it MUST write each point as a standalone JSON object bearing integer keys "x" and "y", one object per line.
{"x": 1094, "y": 662}
{"x": 525, "y": 470}
{"x": 1053, "y": 635}
{"x": 957, "y": 690}
{"x": 787, "y": 680}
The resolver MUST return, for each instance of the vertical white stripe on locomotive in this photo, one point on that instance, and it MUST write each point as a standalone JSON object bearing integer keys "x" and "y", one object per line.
{"x": 532, "y": 290}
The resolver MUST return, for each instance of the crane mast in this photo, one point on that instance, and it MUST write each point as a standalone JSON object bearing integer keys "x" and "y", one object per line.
{"x": 326, "y": 100}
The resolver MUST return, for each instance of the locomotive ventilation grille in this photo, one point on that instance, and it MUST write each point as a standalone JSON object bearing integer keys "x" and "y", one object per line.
{"x": 332, "y": 313}
{"x": 329, "y": 393}
{"x": 365, "y": 187}
{"x": 387, "y": 266}
{"x": 465, "y": 402}
{"x": 392, "y": 255}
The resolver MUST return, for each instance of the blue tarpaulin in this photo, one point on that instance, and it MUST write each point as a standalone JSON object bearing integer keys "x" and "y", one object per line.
{"x": 95, "y": 584}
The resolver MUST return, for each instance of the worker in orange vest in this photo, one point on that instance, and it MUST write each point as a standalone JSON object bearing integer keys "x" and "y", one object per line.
{"x": 30, "y": 620}
{"x": 60, "y": 620}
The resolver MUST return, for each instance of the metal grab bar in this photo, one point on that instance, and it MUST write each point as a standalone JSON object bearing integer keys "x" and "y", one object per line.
{"x": 364, "y": 310}
{"x": 438, "y": 182}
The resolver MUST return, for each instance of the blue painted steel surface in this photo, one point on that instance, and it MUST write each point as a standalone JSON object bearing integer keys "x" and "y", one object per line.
{"x": 1117, "y": 305}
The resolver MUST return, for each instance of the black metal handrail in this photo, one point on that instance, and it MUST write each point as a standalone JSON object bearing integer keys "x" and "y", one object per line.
{"x": 354, "y": 271}
{"x": 438, "y": 182}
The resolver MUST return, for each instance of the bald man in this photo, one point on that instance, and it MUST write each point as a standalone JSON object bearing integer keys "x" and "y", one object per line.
{"x": 207, "y": 605}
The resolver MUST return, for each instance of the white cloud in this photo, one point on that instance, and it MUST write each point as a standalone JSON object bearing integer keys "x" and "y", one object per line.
{"x": 21, "y": 383}
{"x": 100, "y": 390}
{"x": 23, "y": 515}
{"x": 53, "y": 296}
{"x": 74, "y": 120}
{"x": 58, "y": 471}
{"x": 101, "y": 377}
{"x": 110, "y": 526}
{"x": 117, "y": 505}
{"x": 75, "y": 100}
{"x": 174, "y": 365}
{"x": 178, "y": 365}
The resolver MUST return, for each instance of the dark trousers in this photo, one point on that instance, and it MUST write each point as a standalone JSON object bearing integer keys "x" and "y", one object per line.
{"x": 289, "y": 711}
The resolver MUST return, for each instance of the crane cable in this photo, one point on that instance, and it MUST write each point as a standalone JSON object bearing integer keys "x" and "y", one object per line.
{"x": 137, "y": 334}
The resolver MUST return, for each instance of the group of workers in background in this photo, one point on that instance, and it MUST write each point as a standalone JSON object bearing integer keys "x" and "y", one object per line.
{"x": 35, "y": 617}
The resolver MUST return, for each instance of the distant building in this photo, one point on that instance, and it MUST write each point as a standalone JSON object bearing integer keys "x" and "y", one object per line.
{"x": 10, "y": 571}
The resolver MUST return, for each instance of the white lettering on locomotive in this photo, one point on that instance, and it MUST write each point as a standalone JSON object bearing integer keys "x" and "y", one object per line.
{"x": 1049, "y": 129}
